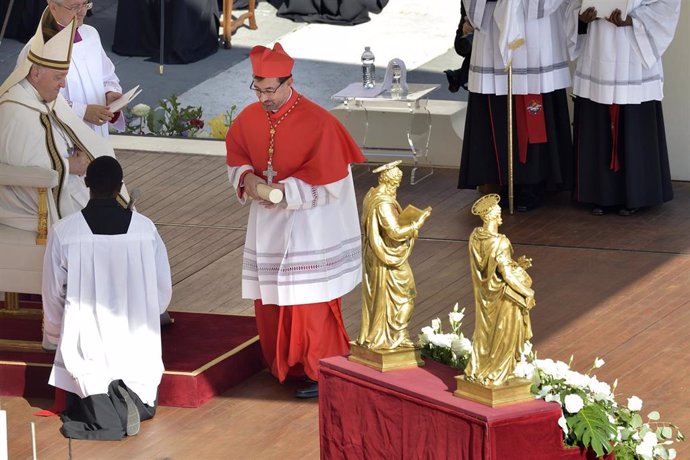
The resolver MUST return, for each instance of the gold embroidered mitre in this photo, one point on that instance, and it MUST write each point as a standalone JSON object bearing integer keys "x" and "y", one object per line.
{"x": 54, "y": 53}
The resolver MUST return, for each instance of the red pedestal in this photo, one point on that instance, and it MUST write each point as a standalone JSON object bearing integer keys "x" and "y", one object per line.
{"x": 412, "y": 413}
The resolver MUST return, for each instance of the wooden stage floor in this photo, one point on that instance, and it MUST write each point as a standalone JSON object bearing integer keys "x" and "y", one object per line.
{"x": 612, "y": 287}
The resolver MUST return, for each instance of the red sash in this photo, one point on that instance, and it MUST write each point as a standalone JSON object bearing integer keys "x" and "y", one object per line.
{"x": 614, "y": 111}
{"x": 531, "y": 125}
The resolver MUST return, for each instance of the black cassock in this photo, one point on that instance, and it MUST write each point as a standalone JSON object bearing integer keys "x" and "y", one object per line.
{"x": 342, "y": 12}
{"x": 190, "y": 29}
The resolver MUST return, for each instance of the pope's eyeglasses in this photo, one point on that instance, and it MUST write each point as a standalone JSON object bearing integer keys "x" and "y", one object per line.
{"x": 76, "y": 8}
{"x": 266, "y": 92}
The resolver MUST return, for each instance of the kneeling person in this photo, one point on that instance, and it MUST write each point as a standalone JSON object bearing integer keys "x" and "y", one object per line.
{"x": 106, "y": 280}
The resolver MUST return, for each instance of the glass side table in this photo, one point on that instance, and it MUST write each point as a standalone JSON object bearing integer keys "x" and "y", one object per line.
{"x": 418, "y": 119}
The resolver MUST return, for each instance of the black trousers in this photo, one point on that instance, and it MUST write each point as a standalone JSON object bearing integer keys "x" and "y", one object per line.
{"x": 103, "y": 416}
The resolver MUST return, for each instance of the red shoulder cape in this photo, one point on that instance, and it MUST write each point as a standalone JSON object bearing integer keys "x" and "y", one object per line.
{"x": 310, "y": 143}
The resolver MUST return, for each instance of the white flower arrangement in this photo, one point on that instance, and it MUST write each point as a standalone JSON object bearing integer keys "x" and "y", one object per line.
{"x": 141, "y": 110}
{"x": 592, "y": 417}
{"x": 137, "y": 122}
{"x": 170, "y": 118}
{"x": 453, "y": 348}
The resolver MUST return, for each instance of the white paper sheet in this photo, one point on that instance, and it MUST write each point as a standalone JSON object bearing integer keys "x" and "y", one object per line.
{"x": 606, "y": 7}
{"x": 124, "y": 100}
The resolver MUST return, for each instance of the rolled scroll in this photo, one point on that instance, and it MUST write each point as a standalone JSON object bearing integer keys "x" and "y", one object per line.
{"x": 268, "y": 193}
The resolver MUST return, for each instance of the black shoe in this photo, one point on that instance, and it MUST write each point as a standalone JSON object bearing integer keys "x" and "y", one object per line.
{"x": 627, "y": 211}
{"x": 310, "y": 391}
{"x": 453, "y": 80}
{"x": 526, "y": 199}
{"x": 133, "y": 419}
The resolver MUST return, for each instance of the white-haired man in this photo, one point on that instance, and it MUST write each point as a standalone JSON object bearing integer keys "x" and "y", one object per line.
{"x": 38, "y": 128}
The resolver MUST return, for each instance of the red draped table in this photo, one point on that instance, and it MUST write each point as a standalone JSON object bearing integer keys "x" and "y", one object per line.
{"x": 412, "y": 413}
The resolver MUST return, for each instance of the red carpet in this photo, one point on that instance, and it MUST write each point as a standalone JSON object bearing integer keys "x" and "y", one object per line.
{"x": 204, "y": 355}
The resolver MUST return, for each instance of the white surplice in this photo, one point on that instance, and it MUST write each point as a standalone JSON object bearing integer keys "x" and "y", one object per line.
{"x": 622, "y": 65}
{"x": 540, "y": 65}
{"x": 306, "y": 251}
{"x": 91, "y": 75}
{"x": 24, "y": 141}
{"x": 102, "y": 300}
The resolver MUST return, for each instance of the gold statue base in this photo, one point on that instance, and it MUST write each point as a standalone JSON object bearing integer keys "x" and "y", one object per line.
{"x": 512, "y": 392}
{"x": 386, "y": 360}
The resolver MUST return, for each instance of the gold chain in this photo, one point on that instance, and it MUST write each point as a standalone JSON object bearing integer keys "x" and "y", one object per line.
{"x": 272, "y": 129}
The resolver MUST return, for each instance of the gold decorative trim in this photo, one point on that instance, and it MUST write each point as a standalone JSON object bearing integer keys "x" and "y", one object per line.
{"x": 216, "y": 360}
{"x": 22, "y": 313}
{"x": 42, "y": 230}
{"x": 511, "y": 392}
{"x": 48, "y": 63}
{"x": 22, "y": 363}
{"x": 55, "y": 159}
{"x": 11, "y": 301}
{"x": 25, "y": 345}
{"x": 386, "y": 360}
{"x": 21, "y": 345}
{"x": 74, "y": 138}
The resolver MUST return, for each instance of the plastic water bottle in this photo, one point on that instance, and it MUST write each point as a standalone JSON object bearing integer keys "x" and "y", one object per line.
{"x": 396, "y": 85}
{"x": 368, "y": 68}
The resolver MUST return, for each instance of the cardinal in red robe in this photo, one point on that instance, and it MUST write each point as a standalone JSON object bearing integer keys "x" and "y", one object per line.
{"x": 303, "y": 253}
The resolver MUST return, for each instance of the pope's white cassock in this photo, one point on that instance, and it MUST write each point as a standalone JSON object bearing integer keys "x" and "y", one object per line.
{"x": 91, "y": 75}
{"x": 102, "y": 303}
{"x": 36, "y": 133}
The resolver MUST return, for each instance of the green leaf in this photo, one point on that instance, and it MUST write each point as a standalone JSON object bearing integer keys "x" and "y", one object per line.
{"x": 593, "y": 429}
{"x": 626, "y": 433}
{"x": 623, "y": 452}
{"x": 636, "y": 421}
{"x": 666, "y": 432}
{"x": 156, "y": 120}
{"x": 654, "y": 415}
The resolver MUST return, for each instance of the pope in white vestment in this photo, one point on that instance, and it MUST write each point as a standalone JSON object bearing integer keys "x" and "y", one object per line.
{"x": 44, "y": 131}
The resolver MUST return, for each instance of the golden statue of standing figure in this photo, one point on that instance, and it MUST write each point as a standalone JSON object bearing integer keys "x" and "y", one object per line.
{"x": 388, "y": 287}
{"x": 503, "y": 299}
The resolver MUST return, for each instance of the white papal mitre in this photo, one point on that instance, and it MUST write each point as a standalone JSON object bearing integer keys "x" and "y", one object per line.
{"x": 55, "y": 53}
